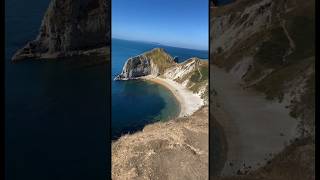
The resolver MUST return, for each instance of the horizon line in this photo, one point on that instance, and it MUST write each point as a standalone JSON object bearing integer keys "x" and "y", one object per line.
{"x": 153, "y": 42}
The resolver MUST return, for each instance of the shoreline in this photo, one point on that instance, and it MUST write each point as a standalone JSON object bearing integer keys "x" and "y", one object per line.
{"x": 188, "y": 101}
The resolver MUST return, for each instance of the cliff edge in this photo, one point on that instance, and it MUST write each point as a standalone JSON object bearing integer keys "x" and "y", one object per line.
{"x": 177, "y": 149}
{"x": 70, "y": 28}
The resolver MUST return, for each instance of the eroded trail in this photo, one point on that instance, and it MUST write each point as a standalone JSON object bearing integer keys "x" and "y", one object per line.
{"x": 255, "y": 128}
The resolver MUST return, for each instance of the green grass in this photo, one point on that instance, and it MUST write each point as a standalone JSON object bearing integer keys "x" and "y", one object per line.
{"x": 272, "y": 51}
{"x": 302, "y": 31}
{"x": 197, "y": 80}
{"x": 161, "y": 59}
{"x": 274, "y": 84}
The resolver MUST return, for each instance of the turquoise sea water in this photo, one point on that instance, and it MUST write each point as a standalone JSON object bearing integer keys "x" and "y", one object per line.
{"x": 136, "y": 103}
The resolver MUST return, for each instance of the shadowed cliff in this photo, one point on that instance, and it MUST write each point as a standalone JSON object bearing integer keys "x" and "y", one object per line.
{"x": 70, "y": 28}
{"x": 269, "y": 47}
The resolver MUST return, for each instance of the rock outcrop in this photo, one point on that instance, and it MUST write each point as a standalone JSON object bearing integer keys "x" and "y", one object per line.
{"x": 70, "y": 28}
{"x": 150, "y": 63}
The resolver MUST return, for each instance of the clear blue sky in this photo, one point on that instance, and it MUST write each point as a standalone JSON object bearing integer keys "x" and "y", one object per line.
{"x": 180, "y": 23}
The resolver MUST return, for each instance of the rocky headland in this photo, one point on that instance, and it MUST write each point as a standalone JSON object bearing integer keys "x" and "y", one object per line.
{"x": 157, "y": 63}
{"x": 188, "y": 80}
{"x": 262, "y": 87}
{"x": 175, "y": 149}
{"x": 70, "y": 28}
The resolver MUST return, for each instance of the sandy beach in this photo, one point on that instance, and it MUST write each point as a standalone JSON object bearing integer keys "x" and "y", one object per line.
{"x": 175, "y": 149}
{"x": 189, "y": 102}
{"x": 255, "y": 128}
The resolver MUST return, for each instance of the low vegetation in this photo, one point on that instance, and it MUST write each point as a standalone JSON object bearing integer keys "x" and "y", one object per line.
{"x": 162, "y": 59}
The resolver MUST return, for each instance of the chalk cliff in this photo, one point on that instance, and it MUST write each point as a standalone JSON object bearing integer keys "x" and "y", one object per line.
{"x": 153, "y": 62}
{"x": 70, "y": 28}
{"x": 192, "y": 73}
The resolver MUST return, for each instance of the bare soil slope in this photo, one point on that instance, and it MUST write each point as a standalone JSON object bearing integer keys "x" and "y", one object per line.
{"x": 177, "y": 149}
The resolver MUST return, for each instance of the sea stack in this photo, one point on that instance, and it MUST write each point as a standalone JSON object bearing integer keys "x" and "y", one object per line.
{"x": 70, "y": 28}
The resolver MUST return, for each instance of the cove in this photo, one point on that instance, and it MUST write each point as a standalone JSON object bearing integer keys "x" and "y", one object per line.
{"x": 136, "y": 103}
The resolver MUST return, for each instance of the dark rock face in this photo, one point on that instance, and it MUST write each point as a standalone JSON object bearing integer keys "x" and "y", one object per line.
{"x": 69, "y": 28}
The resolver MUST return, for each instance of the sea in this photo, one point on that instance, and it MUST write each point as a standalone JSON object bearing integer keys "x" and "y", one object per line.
{"x": 136, "y": 103}
{"x": 57, "y": 113}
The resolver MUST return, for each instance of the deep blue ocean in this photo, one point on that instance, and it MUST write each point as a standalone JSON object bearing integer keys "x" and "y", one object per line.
{"x": 136, "y": 103}
{"x": 56, "y": 112}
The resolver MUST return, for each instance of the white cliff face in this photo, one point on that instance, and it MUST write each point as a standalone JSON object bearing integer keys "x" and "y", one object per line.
{"x": 230, "y": 28}
{"x": 68, "y": 28}
{"x": 157, "y": 63}
{"x": 144, "y": 65}
{"x": 180, "y": 70}
{"x": 238, "y": 32}
{"x": 154, "y": 69}
{"x": 184, "y": 74}
{"x": 135, "y": 67}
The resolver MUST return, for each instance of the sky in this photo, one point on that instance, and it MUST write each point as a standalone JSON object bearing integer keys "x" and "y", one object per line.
{"x": 179, "y": 23}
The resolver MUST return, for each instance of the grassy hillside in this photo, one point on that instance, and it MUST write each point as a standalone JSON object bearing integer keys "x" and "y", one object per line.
{"x": 162, "y": 59}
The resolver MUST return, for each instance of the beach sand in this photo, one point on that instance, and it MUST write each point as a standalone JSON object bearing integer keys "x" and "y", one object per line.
{"x": 255, "y": 128}
{"x": 189, "y": 102}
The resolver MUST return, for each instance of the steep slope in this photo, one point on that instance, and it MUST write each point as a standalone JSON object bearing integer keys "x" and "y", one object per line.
{"x": 193, "y": 74}
{"x": 269, "y": 46}
{"x": 70, "y": 28}
{"x": 177, "y": 149}
{"x": 153, "y": 62}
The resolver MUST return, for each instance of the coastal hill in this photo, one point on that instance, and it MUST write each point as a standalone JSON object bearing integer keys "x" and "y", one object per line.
{"x": 177, "y": 148}
{"x": 70, "y": 28}
{"x": 266, "y": 49}
{"x": 192, "y": 73}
